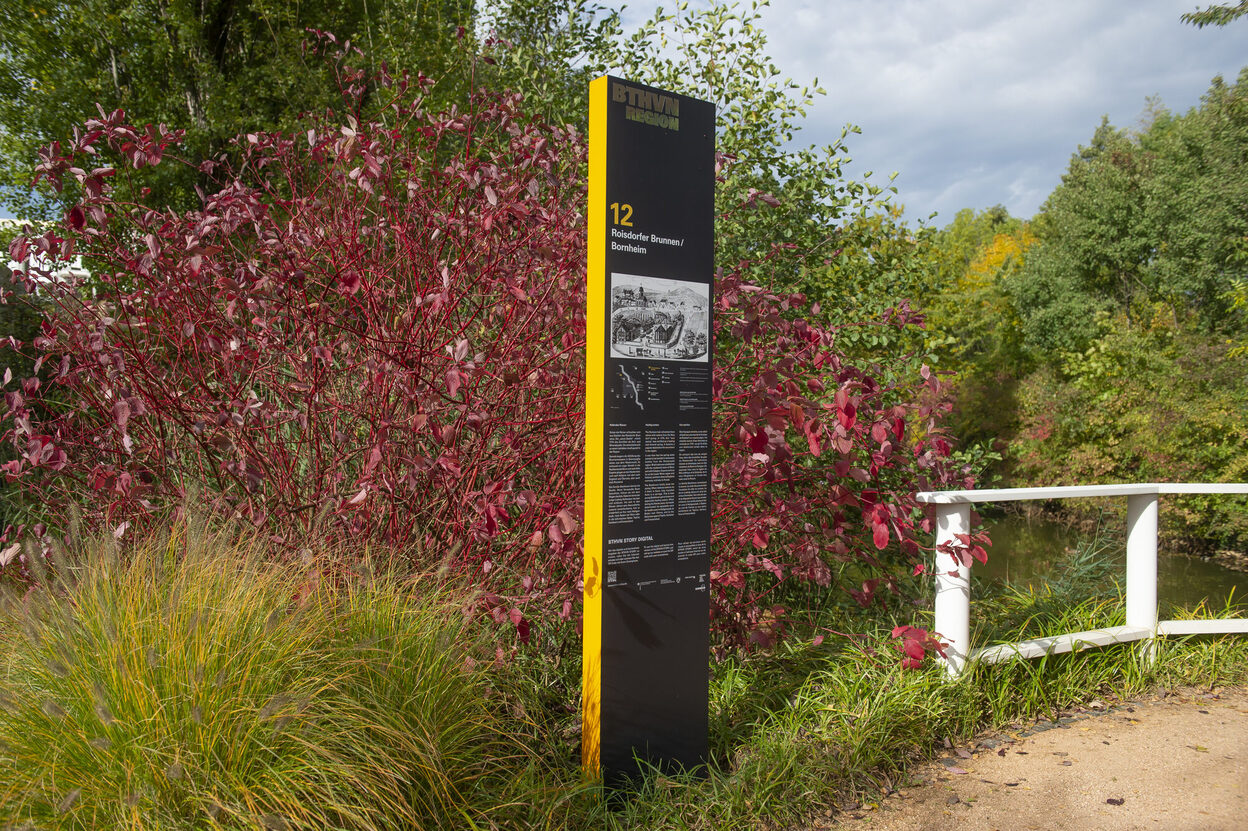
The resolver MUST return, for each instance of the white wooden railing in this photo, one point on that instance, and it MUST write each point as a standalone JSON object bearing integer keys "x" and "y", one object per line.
{"x": 953, "y": 582}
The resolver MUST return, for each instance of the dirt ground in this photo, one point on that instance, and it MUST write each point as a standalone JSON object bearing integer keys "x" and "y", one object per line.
{"x": 1178, "y": 762}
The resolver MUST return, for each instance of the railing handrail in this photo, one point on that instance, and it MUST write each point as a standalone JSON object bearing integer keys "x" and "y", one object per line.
{"x": 953, "y": 584}
{"x": 1075, "y": 491}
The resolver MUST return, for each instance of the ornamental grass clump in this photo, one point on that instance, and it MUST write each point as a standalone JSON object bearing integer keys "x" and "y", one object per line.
{"x": 192, "y": 685}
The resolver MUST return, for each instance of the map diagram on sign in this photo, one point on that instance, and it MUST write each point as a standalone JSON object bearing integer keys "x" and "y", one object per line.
{"x": 657, "y": 318}
{"x": 629, "y": 389}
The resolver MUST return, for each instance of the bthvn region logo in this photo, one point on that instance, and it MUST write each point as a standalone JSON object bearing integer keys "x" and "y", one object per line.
{"x": 648, "y": 107}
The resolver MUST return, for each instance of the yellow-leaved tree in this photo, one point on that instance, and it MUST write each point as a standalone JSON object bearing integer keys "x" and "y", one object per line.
{"x": 972, "y": 324}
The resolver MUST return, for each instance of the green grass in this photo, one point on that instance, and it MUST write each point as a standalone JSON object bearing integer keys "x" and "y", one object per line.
{"x": 857, "y": 722}
{"x": 196, "y": 686}
{"x": 803, "y": 729}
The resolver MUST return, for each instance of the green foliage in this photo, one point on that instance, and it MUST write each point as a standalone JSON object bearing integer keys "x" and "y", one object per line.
{"x": 237, "y": 68}
{"x": 1155, "y": 404}
{"x": 20, "y": 317}
{"x": 1094, "y": 248}
{"x": 1218, "y": 15}
{"x": 1103, "y": 341}
{"x": 1238, "y": 295}
{"x": 1195, "y": 201}
{"x": 192, "y": 686}
{"x": 1139, "y": 220}
{"x": 719, "y": 54}
{"x": 549, "y": 50}
{"x": 878, "y": 264}
{"x": 216, "y": 68}
{"x": 959, "y": 243}
{"x": 1057, "y": 313}
{"x": 974, "y": 329}
{"x": 786, "y": 215}
{"x": 788, "y": 211}
{"x": 849, "y": 722}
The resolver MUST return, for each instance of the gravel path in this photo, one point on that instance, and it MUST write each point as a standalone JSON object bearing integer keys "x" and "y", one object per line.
{"x": 1174, "y": 763}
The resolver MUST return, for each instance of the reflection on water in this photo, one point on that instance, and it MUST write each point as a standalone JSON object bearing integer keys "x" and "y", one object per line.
{"x": 1027, "y": 551}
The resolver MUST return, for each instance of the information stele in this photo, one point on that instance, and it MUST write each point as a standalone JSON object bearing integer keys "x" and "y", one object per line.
{"x": 648, "y": 428}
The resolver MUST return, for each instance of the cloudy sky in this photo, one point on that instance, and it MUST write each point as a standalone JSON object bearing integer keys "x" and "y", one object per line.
{"x": 982, "y": 102}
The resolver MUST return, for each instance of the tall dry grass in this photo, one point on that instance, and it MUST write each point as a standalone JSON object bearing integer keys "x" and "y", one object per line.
{"x": 195, "y": 685}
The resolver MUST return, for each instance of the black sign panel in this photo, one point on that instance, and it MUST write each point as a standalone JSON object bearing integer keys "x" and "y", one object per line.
{"x": 648, "y": 423}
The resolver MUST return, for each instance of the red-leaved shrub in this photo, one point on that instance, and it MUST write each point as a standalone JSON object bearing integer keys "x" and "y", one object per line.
{"x": 373, "y": 331}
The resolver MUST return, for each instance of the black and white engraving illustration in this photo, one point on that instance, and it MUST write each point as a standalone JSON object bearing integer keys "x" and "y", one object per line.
{"x": 660, "y": 319}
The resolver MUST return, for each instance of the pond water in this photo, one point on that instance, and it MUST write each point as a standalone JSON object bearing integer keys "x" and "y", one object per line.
{"x": 1028, "y": 551}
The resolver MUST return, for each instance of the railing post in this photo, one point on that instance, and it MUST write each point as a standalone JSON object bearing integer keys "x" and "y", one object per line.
{"x": 953, "y": 588}
{"x": 1142, "y": 562}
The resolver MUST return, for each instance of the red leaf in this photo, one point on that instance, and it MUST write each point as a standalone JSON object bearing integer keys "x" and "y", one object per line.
{"x": 812, "y": 441}
{"x": 879, "y": 535}
{"x": 522, "y": 625}
{"x": 350, "y": 281}
{"x": 758, "y": 442}
{"x": 566, "y": 521}
{"x": 847, "y": 415}
{"x": 121, "y": 413}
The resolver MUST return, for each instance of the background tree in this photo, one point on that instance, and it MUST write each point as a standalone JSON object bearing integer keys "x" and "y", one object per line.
{"x": 1158, "y": 218}
{"x": 216, "y": 68}
{"x": 789, "y": 210}
{"x": 1196, "y": 201}
{"x": 1095, "y": 246}
{"x": 1104, "y": 340}
{"x": 549, "y": 50}
{"x": 974, "y": 329}
{"x": 788, "y": 203}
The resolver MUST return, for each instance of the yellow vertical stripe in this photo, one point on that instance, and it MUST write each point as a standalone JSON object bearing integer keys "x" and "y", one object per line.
{"x": 595, "y": 400}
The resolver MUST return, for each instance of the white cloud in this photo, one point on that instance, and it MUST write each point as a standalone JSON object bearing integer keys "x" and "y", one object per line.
{"x": 980, "y": 102}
